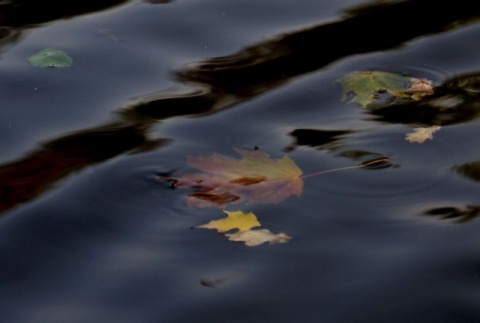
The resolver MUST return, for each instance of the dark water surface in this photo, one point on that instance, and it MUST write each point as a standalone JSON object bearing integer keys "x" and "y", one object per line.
{"x": 89, "y": 234}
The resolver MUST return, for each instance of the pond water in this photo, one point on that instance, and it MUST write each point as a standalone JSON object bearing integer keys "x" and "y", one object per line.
{"x": 90, "y": 233}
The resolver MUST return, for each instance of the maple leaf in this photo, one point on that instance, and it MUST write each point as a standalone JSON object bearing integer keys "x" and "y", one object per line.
{"x": 234, "y": 220}
{"x": 255, "y": 178}
{"x": 366, "y": 86}
{"x": 421, "y": 134}
{"x": 254, "y": 238}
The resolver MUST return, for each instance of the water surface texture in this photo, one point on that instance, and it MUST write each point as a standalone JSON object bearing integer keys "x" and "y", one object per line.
{"x": 89, "y": 231}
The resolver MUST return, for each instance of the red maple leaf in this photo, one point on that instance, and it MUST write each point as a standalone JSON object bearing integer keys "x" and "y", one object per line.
{"x": 255, "y": 178}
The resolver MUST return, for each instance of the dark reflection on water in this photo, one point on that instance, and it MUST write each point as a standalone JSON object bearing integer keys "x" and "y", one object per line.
{"x": 266, "y": 65}
{"x": 324, "y": 139}
{"x": 458, "y": 214}
{"x": 232, "y": 79}
{"x": 334, "y": 141}
{"x": 27, "y": 13}
{"x": 158, "y": 1}
{"x": 228, "y": 81}
{"x": 469, "y": 170}
{"x": 116, "y": 245}
{"x": 31, "y": 176}
{"x": 455, "y": 101}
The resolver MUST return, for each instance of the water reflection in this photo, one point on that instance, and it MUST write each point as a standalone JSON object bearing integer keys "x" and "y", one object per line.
{"x": 455, "y": 101}
{"x": 469, "y": 170}
{"x": 334, "y": 141}
{"x": 229, "y": 80}
{"x": 221, "y": 83}
{"x": 458, "y": 214}
{"x": 370, "y": 159}
{"x": 322, "y": 139}
{"x": 163, "y": 105}
{"x": 266, "y": 65}
{"x": 28, "y": 13}
{"x": 158, "y": 1}
{"x": 32, "y": 175}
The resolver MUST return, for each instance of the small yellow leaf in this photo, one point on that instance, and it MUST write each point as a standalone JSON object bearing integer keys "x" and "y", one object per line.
{"x": 234, "y": 220}
{"x": 254, "y": 238}
{"x": 421, "y": 134}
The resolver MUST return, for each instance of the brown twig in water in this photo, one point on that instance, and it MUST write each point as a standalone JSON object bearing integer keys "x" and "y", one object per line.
{"x": 366, "y": 164}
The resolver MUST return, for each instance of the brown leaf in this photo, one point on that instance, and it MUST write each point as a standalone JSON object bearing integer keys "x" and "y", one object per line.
{"x": 254, "y": 238}
{"x": 418, "y": 88}
{"x": 255, "y": 178}
{"x": 419, "y": 135}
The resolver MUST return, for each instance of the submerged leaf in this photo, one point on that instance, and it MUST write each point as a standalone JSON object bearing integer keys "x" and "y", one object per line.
{"x": 254, "y": 238}
{"x": 234, "y": 220}
{"x": 421, "y": 134}
{"x": 50, "y": 57}
{"x": 366, "y": 86}
{"x": 255, "y": 178}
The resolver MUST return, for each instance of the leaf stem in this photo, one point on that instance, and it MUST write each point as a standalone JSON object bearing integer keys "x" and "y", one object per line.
{"x": 366, "y": 164}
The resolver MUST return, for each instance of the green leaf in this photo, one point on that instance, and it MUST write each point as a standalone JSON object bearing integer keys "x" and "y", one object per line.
{"x": 50, "y": 57}
{"x": 366, "y": 86}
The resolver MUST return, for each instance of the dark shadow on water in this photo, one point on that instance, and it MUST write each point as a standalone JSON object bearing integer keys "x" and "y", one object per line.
{"x": 269, "y": 64}
{"x": 29, "y": 177}
{"x": 218, "y": 83}
{"x": 193, "y": 103}
{"x": 469, "y": 170}
{"x": 322, "y": 139}
{"x": 16, "y": 16}
{"x": 230, "y": 80}
{"x": 455, "y": 101}
{"x": 157, "y": 1}
{"x": 27, "y": 13}
{"x": 333, "y": 141}
{"x": 457, "y": 214}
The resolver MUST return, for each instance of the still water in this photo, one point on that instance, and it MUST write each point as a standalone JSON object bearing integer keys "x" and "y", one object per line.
{"x": 88, "y": 232}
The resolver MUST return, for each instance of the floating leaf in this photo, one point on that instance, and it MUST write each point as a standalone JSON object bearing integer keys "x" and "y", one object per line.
{"x": 421, "y": 134}
{"x": 254, "y": 238}
{"x": 418, "y": 88}
{"x": 50, "y": 57}
{"x": 234, "y": 220}
{"x": 255, "y": 178}
{"x": 244, "y": 222}
{"x": 365, "y": 87}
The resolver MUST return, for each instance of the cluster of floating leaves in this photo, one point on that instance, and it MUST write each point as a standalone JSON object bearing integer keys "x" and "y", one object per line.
{"x": 253, "y": 179}
{"x": 244, "y": 224}
{"x": 258, "y": 178}
{"x": 365, "y": 87}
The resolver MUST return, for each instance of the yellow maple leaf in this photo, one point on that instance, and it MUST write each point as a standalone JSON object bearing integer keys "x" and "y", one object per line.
{"x": 234, "y": 220}
{"x": 254, "y": 238}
